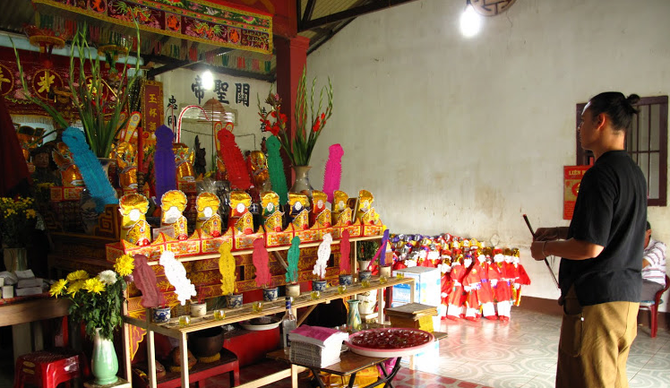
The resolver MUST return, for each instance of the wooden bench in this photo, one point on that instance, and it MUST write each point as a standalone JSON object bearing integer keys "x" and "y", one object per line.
{"x": 200, "y": 371}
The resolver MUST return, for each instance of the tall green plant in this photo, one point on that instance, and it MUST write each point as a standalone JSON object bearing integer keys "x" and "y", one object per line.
{"x": 100, "y": 116}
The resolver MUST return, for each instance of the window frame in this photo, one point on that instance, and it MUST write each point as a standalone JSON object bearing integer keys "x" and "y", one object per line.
{"x": 586, "y": 157}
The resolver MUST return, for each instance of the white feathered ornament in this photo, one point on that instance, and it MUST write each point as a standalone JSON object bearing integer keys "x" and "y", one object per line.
{"x": 176, "y": 275}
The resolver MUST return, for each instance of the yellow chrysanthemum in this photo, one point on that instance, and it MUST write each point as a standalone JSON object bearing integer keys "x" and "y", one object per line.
{"x": 74, "y": 288}
{"x": 10, "y": 212}
{"x": 30, "y": 213}
{"x": 124, "y": 265}
{"x": 57, "y": 288}
{"x": 77, "y": 275}
{"x": 94, "y": 285}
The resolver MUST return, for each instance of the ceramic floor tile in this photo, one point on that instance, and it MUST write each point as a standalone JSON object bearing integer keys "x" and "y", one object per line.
{"x": 540, "y": 382}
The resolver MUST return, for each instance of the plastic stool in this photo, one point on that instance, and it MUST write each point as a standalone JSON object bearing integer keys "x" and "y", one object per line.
{"x": 47, "y": 369}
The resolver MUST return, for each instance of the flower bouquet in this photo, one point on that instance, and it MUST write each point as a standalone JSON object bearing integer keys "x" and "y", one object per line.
{"x": 299, "y": 147}
{"x": 17, "y": 217}
{"x": 96, "y": 301}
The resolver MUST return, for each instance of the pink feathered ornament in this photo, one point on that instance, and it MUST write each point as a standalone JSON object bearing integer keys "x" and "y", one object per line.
{"x": 145, "y": 280}
{"x": 260, "y": 259}
{"x": 333, "y": 173}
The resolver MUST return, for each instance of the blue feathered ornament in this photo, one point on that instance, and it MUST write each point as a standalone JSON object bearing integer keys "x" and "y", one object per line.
{"x": 91, "y": 170}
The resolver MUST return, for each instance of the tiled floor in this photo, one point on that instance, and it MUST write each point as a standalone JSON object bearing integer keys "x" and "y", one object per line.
{"x": 520, "y": 353}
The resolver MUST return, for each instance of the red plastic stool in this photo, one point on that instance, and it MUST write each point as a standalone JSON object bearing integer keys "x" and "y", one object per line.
{"x": 47, "y": 369}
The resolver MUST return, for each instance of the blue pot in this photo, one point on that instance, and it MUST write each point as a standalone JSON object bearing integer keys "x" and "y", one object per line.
{"x": 319, "y": 285}
{"x": 234, "y": 300}
{"x": 346, "y": 280}
{"x": 161, "y": 315}
{"x": 270, "y": 294}
{"x": 364, "y": 275}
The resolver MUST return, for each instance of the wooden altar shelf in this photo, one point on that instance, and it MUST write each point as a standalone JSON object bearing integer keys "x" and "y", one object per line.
{"x": 251, "y": 251}
{"x": 200, "y": 244}
{"x": 174, "y": 330}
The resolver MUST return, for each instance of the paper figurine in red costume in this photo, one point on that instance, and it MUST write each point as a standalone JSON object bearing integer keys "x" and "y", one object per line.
{"x": 422, "y": 260}
{"x": 433, "y": 258}
{"x": 522, "y": 278}
{"x": 445, "y": 282}
{"x": 503, "y": 289}
{"x": 489, "y": 278}
{"x": 510, "y": 271}
{"x": 471, "y": 285}
{"x": 455, "y": 299}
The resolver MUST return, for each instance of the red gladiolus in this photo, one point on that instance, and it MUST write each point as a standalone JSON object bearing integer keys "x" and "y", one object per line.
{"x": 274, "y": 129}
{"x": 317, "y": 125}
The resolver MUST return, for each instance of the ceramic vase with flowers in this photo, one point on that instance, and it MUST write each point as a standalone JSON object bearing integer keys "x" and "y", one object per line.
{"x": 96, "y": 302}
{"x": 17, "y": 217}
{"x": 364, "y": 255}
{"x": 310, "y": 120}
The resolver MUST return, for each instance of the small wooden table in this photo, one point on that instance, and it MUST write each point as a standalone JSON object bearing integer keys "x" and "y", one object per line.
{"x": 350, "y": 364}
{"x": 19, "y": 312}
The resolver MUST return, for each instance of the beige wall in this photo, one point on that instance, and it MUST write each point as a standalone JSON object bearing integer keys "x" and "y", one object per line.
{"x": 466, "y": 135}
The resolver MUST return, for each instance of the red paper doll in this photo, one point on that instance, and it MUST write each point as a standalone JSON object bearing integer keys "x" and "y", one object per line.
{"x": 455, "y": 299}
{"x": 471, "y": 285}
{"x": 503, "y": 290}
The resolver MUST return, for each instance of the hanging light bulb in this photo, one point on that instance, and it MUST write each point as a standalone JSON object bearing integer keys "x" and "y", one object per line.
{"x": 470, "y": 21}
{"x": 207, "y": 80}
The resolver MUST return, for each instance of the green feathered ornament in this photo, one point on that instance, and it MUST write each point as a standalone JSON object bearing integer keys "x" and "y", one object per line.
{"x": 276, "y": 169}
{"x": 292, "y": 257}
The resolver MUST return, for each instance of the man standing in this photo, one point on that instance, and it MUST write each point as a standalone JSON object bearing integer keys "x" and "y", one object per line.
{"x": 601, "y": 252}
{"x": 653, "y": 266}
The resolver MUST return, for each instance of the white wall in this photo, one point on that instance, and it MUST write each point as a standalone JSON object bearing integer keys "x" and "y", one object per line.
{"x": 466, "y": 135}
{"x": 247, "y": 125}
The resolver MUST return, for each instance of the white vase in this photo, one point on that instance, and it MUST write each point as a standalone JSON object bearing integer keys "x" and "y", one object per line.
{"x": 198, "y": 309}
{"x": 363, "y": 265}
{"x": 293, "y": 290}
{"x": 385, "y": 271}
{"x": 16, "y": 259}
{"x": 368, "y": 301}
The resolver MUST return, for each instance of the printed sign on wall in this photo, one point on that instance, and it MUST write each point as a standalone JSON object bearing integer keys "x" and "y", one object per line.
{"x": 572, "y": 178}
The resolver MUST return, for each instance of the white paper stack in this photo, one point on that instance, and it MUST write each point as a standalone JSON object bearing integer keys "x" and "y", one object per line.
{"x": 316, "y": 346}
{"x": 28, "y": 284}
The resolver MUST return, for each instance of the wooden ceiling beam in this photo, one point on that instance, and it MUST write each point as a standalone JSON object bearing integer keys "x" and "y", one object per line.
{"x": 349, "y": 13}
{"x": 309, "y": 11}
